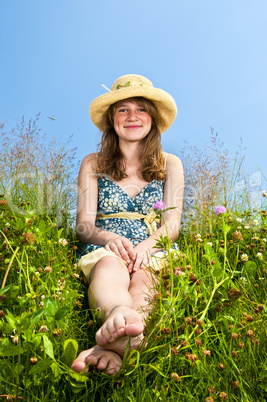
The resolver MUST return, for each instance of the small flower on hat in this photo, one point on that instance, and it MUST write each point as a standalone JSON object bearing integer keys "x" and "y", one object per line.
{"x": 220, "y": 210}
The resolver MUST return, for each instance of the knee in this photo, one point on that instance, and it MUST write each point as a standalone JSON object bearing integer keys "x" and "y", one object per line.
{"x": 108, "y": 266}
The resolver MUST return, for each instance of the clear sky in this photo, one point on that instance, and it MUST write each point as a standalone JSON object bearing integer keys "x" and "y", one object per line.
{"x": 210, "y": 55}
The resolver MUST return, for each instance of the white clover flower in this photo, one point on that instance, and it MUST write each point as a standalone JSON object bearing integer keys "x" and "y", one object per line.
{"x": 75, "y": 267}
{"x": 246, "y": 226}
{"x": 264, "y": 239}
{"x": 244, "y": 257}
{"x": 255, "y": 222}
{"x": 260, "y": 256}
{"x": 239, "y": 220}
{"x": 243, "y": 280}
{"x": 41, "y": 304}
{"x": 76, "y": 276}
{"x": 210, "y": 244}
{"x": 43, "y": 297}
{"x": 63, "y": 242}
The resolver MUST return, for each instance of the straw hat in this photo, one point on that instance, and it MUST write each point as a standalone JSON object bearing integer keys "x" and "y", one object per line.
{"x": 133, "y": 85}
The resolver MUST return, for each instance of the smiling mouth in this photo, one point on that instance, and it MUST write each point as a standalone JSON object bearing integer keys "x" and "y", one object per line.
{"x": 133, "y": 126}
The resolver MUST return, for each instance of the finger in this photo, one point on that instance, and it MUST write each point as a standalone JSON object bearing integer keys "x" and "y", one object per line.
{"x": 128, "y": 247}
{"x": 138, "y": 262}
{"x": 123, "y": 252}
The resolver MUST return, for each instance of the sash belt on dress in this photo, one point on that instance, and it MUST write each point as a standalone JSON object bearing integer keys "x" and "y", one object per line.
{"x": 150, "y": 219}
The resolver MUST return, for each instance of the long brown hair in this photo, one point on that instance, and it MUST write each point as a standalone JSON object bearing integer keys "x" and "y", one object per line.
{"x": 110, "y": 158}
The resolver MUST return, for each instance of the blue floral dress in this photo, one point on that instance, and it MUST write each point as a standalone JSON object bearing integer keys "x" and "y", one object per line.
{"x": 112, "y": 199}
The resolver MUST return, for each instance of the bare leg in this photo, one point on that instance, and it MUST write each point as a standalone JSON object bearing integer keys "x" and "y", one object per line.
{"x": 109, "y": 290}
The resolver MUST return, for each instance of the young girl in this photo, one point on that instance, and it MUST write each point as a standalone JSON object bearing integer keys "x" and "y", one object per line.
{"x": 118, "y": 187}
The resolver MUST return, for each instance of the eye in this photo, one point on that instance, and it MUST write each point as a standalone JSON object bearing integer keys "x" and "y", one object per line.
{"x": 122, "y": 110}
{"x": 141, "y": 109}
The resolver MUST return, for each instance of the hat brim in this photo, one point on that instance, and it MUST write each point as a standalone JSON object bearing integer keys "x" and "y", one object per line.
{"x": 163, "y": 102}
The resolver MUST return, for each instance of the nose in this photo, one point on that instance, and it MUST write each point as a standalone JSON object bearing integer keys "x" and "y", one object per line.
{"x": 132, "y": 115}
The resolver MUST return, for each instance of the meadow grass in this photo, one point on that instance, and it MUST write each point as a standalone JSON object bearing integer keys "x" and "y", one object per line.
{"x": 205, "y": 338}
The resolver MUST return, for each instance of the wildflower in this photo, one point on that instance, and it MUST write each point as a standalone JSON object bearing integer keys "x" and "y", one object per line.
{"x": 33, "y": 360}
{"x": 235, "y": 335}
{"x": 239, "y": 220}
{"x": 209, "y": 399}
{"x": 206, "y": 352}
{"x": 165, "y": 331}
{"x": 222, "y": 396}
{"x": 241, "y": 345}
{"x": 41, "y": 304}
{"x": 28, "y": 238}
{"x": 255, "y": 222}
{"x": 235, "y": 384}
{"x": 220, "y": 210}
{"x": 210, "y": 244}
{"x": 212, "y": 390}
{"x": 2, "y": 314}
{"x": 250, "y": 333}
{"x": 243, "y": 280}
{"x": 237, "y": 235}
{"x": 175, "y": 376}
{"x": 265, "y": 240}
{"x": 14, "y": 338}
{"x": 234, "y": 353}
{"x": 260, "y": 256}
{"x": 57, "y": 332}
{"x": 43, "y": 328}
{"x": 234, "y": 293}
{"x": 63, "y": 242}
{"x": 264, "y": 194}
{"x": 244, "y": 257}
{"x": 246, "y": 226}
{"x": 198, "y": 342}
{"x": 174, "y": 351}
{"x": 159, "y": 206}
{"x": 47, "y": 269}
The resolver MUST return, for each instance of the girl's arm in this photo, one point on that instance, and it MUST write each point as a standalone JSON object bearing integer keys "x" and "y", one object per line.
{"x": 86, "y": 231}
{"x": 173, "y": 197}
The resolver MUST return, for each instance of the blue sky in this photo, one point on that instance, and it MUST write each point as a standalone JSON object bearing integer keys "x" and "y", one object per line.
{"x": 210, "y": 55}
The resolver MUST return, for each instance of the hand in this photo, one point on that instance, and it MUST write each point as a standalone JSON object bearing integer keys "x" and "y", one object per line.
{"x": 140, "y": 260}
{"x": 122, "y": 247}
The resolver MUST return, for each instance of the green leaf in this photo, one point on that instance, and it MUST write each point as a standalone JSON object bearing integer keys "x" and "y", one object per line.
{"x": 50, "y": 305}
{"x": 61, "y": 313}
{"x": 48, "y": 347}
{"x": 41, "y": 366}
{"x": 36, "y": 316}
{"x": 70, "y": 351}
{"x": 12, "y": 351}
{"x": 6, "y": 288}
{"x": 55, "y": 370}
{"x": 249, "y": 269}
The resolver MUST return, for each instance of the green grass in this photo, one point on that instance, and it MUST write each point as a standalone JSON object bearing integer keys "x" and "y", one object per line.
{"x": 205, "y": 338}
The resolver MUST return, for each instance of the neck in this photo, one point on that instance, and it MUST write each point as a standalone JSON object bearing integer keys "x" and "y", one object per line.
{"x": 131, "y": 152}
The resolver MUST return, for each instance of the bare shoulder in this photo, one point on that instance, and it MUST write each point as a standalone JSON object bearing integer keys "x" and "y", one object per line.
{"x": 173, "y": 162}
{"x": 89, "y": 162}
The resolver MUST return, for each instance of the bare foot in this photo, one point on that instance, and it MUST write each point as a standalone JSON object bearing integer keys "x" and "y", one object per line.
{"x": 104, "y": 360}
{"x": 123, "y": 324}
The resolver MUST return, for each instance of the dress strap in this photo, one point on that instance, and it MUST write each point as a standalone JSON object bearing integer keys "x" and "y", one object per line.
{"x": 165, "y": 161}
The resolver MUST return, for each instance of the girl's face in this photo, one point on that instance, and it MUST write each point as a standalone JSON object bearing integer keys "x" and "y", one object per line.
{"x": 131, "y": 121}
